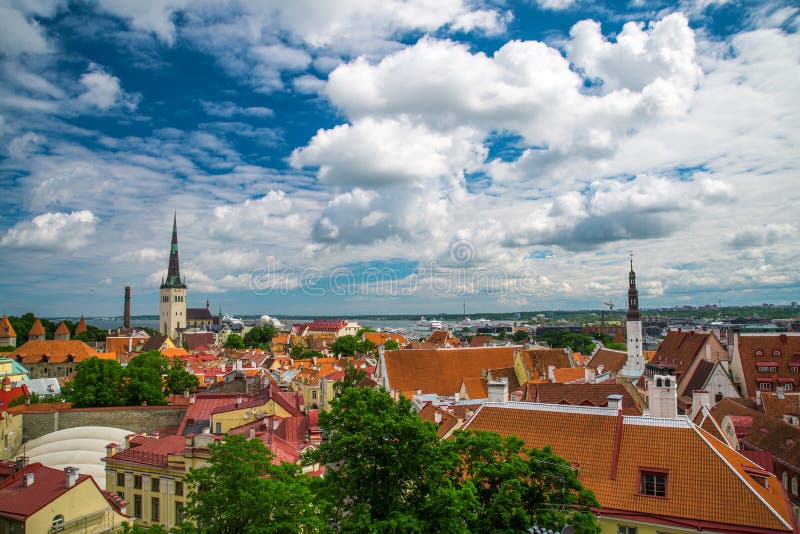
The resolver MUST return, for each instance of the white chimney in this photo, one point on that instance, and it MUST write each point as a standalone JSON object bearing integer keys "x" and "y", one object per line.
{"x": 456, "y": 396}
{"x": 700, "y": 399}
{"x": 252, "y": 433}
{"x": 663, "y": 397}
{"x": 498, "y": 390}
{"x": 71, "y": 476}
{"x": 27, "y": 479}
{"x": 550, "y": 372}
{"x": 615, "y": 402}
{"x": 437, "y": 417}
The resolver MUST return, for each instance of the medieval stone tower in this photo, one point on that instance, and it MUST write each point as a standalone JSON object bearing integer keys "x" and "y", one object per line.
{"x": 172, "y": 309}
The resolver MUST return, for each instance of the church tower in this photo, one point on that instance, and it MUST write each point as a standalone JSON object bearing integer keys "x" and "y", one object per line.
{"x": 173, "y": 292}
{"x": 634, "y": 366}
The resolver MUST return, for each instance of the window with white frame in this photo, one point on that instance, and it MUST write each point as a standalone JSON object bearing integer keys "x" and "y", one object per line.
{"x": 58, "y": 523}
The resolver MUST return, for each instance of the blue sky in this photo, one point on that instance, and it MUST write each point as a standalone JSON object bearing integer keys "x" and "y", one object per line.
{"x": 398, "y": 157}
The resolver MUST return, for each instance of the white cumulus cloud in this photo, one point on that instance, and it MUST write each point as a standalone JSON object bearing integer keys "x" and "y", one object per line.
{"x": 52, "y": 231}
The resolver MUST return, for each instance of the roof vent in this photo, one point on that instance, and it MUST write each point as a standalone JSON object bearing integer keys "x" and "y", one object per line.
{"x": 27, "y": 479}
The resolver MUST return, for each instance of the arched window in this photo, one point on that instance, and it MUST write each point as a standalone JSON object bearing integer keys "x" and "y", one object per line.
{"x": 785, "y": 480}
{"x": 658, "y": 382}
{"x": 666, "y": 382}
{"x": 794, "y": 485}
{"x": 776, "y": 353}
{"x": 58, "y": 523}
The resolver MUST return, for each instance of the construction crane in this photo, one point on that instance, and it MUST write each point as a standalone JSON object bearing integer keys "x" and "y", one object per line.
{"x": 610, "y": 305}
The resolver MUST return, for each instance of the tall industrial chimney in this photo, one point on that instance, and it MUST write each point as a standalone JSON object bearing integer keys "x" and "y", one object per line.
{"x": 127, "y": 320}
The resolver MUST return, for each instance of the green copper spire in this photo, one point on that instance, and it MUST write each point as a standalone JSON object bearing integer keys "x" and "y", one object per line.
{"x": 174, "y": 272}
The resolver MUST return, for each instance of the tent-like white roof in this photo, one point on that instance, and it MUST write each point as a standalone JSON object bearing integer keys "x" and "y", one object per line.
{"x": 83, "y": 447}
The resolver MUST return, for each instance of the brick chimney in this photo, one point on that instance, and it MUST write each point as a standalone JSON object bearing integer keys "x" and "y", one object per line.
{"x": 127, "y": 314}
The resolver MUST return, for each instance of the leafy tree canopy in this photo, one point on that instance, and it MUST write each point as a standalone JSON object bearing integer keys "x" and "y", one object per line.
{"x": 577, "y": 342}
{"x": 242, "y": 491}
{"x": 179, "y": 379}
{"x": 97, "y": 383}
{"x": 234, "y": 341}
{"x": 391, "y": 344}
{"x": 308, "y": 354}
{"x": 260, "y": 336}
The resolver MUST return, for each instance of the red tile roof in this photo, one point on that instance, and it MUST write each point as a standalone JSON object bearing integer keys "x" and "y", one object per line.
{"x": 538, "y": 361}
{"x": 611, "y": 360}
{"x": 52, "y": 351}
{"x": 62, "y": 330}
{"x": 441, "y": 370}
{"x": 582, "y": 395}
{"x": 150, "y": 450}
{"x": 679, "y": 350}
{"x": 204, "y": 404}
{"x": 37, "y": 329}
{"x": 781, "y": 348}
{"x": 11, "y": 394}
{"x": 708, "y": 485}
{"x": 476, "y": 388}
{"x": 19, "y": 502}
{"x": 379, "y": 338}
{"x": 195, "y": 340}
{"x": 6, "y": 330}
{"x": 479, "y": 341}
{"x": 446, "y": 419}
{"x": 81, "y": 326}
{"x": 441, "y": 338}
{"x": 327, "y": 325}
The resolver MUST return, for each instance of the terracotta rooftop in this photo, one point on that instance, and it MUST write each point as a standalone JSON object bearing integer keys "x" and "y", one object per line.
{"x": 679, "y": 349}
{"x": 441, "y": 370}
{"x": 611, "y": 360}
{"x": 476, "y": 388}
{"x": 479, "y": 341}
{"x": 19, "y": 502}
{"x": 446, "y": 419}
{"x": 783, "y": 349}
{"x": 568, "y": 374}
{"x": 774, "y": 406}
{"x": 81, "y": 326}
{"x": 204, "y": 404}
{"x": 6, "y": 330}
{"x": 709, "y": 486}
{"x": 153, "y": 343}
{"x": 150, "y": 450}
{"x": 37, "y": 329}
{"x": 62, "y": 330}
{"x": 760, "y": 431}
{"x": 379, "y": 338}
{"x": 52, "y": 351}
{"x": 537, "y": 361}
{"x": 699, "y": 376}
{"x": 582, "y": 395}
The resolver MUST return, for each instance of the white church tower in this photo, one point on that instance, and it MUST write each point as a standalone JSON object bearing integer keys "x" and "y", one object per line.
{"x": 173, "y": 292}
{"x": 634, "y": 366}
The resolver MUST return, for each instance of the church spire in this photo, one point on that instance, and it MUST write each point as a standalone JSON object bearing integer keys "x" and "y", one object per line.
{"x": 174, "y": 272}
{"x": 633, "y": 296}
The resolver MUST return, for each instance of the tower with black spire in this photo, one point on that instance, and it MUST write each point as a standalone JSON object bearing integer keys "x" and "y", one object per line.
{"x": 173, "y": 291}
{"x": 634, "y": 366}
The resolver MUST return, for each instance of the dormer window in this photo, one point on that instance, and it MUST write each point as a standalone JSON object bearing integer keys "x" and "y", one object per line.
{"x": 776, "y": 353}
{"x": 759, "y": 352}
{"x": 767, "y": 367}
{"x": 653, "y": 482}
{"x": 759, "y": 475}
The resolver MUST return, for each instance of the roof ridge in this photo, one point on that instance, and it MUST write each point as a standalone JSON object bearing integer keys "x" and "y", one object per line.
{"x": 739, "y": 475}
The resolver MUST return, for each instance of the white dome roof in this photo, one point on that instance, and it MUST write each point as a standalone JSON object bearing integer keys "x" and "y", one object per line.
{"x": 83, "y": 447}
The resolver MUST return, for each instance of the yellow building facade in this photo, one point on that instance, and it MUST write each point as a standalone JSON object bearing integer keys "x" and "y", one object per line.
{"x": 152, "y": 476}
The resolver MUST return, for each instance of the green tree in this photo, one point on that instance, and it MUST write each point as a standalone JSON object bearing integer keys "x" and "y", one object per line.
{"x": 144, "y": 381}
{"x": 391, "y": 344}
{"x": 260, "y": 336}
{"x": 345, "y": 346}
{"x": 234, "y": 341}
{"x": 352, "y": 376}
{"x": 385, "y": 471}
{"x": 363, "y": 330}
{"x": 518, "y": 487}
{"x": 366, "y": 347}
{"x": 179, "y": 379}
{"x": 241, "y": 491}
{"x": 308, "y": 354}
{"x": 616, "y": 346}
{"x": 520, "y": 336}
{"x": 97, "y": 383}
